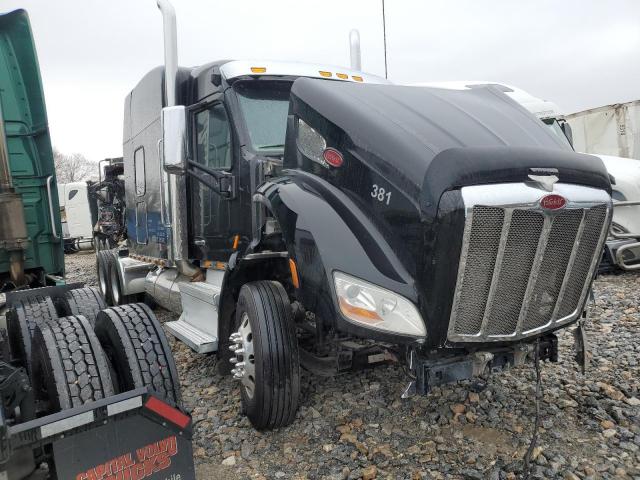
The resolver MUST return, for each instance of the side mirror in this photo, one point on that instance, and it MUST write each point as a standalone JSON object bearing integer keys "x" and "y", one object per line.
{"x": 174, "y": 135}
{"x": 566, "y": 129}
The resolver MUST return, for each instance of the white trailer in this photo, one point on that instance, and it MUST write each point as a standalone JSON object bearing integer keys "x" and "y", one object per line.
{"x": 77, "y": 214}
{"x": 609, "y": 130}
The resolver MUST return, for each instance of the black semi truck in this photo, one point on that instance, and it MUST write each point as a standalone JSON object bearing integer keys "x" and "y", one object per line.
{"x": 309, "y": 216}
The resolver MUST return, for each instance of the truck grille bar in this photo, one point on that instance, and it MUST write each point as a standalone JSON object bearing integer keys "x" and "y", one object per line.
{"x": 524, "y": 269}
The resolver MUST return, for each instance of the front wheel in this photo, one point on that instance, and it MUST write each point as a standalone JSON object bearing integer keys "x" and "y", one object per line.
{"x": 265, "y": 357}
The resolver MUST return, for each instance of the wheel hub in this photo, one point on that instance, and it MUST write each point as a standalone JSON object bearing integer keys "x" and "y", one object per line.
{"x": 244, "y": 366}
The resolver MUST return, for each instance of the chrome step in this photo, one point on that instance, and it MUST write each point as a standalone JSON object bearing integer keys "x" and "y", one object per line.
{"x": 198, "y": 340}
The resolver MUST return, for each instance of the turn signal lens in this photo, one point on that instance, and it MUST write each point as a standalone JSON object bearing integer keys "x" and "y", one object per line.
{"x": 357, "y": 78}
{"x": 333, "y": 157}
{"x": 258, "y": 69}
{"x": 324, "y": 74}
{"x": 375, "y": 307}
{"x": 343, "y": 76}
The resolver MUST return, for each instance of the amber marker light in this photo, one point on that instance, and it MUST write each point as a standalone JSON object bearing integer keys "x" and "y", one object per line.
{"x": 258, "y": 69}
{"x": 294, "y": 273}
{"x": 357, "y": 78}
{"x": 343, "y": 76}
{"x": 236, "y": 241}
{"x": 324, "y": 73}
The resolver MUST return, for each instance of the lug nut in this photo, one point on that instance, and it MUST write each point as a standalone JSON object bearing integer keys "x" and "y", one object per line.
{"x": 233, "y": 360}
{"x": 240, "y": 365}
{"x": 239, "y": 351}
{"x": 233, "y": 348}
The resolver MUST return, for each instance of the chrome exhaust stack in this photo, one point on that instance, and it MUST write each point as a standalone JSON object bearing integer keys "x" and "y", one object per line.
{"x": 354, "y": 50}
{"x": 177, "y": 201}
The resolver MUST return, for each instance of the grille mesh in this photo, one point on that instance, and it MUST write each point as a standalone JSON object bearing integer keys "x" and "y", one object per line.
{"x": 588, "y": 244}
{"x": 562, "y": 237}
{"x": 519, "y": 253}
{"x": 484, "y": 240}
{"x": 542, "y": 261}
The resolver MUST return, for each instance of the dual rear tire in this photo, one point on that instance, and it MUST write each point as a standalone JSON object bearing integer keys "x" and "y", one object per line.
{"x": 109, "y": 279}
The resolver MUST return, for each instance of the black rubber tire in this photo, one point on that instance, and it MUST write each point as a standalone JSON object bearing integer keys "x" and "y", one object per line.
{"x": 103, "y": 257}
{"x": 277, "y": 366}
{"x": 135, "y": 343}
{"x": 22, "y": 320}
{"x": 69, "y": 366}
{"x": 87, "y": 301}
{"x": 117, "y": 295}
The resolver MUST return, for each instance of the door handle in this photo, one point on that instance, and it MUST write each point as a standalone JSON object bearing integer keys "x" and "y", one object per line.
{"x": 54, "y": 230}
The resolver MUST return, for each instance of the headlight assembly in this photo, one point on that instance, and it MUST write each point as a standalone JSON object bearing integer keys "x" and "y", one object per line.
{"x": 375, "y": 307}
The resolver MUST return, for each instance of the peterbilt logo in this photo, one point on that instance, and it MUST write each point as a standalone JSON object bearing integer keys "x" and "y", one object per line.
{"x": 553, "y": 202}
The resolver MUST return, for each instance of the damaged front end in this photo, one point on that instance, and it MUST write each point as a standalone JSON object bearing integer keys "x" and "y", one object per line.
{"x": 455, "y": 233}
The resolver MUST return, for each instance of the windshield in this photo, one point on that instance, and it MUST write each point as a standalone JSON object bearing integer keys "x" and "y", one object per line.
{"x": 265, "y": 105}
{"x": 553, "y": 125}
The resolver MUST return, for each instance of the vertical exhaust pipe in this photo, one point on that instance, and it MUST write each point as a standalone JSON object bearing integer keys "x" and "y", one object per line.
{"x": 177, "y": 201}
{"x": 170, "y": 34}
{"x": 354, "y": 50}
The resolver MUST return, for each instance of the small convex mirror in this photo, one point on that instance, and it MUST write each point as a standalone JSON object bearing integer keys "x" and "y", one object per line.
{"x": 174, "y": 151}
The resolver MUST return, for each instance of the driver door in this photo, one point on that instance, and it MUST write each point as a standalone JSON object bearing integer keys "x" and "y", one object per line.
{"x": 210, "y": 211}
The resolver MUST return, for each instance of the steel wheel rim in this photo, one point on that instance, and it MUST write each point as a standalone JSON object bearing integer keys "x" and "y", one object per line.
{"x": 245, "y": 363}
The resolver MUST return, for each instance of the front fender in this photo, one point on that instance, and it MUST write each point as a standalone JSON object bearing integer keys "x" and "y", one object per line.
{"x": 325, "y": 231}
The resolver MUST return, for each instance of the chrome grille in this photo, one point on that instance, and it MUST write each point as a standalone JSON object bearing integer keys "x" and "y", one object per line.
{"x": 522, "y": 268}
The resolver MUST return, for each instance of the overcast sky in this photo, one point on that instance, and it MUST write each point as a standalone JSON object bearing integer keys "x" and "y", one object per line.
{"x": 578, "y": 53}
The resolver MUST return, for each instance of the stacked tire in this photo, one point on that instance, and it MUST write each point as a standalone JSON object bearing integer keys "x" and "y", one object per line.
{"x": 76, "y": 350}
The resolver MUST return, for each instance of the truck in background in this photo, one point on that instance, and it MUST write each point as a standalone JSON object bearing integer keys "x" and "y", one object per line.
{"x": 78, "y": 214}
{"x": 623, "y": 245}
{"x": 609, "y": 130}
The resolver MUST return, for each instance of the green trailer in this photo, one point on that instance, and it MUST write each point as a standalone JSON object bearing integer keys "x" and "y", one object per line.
{"x": 30, "y": 182}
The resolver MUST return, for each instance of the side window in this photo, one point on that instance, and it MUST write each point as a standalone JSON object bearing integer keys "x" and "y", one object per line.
{"x": 73, "y": 193}
{"x": 138, "y": 162}
{"x": 213, "y": 137}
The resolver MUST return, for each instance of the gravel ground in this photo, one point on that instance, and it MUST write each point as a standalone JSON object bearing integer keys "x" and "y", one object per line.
{"x": 356, "y": 426}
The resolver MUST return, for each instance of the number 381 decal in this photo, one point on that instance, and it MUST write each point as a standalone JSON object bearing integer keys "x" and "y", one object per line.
{"x": 380, "y": 194}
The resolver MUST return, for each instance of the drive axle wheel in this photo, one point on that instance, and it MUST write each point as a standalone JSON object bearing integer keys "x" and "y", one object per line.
{"x": 103, "y": 257}
{"x": 69, "y": 366}
{"x": 265, "y": 358}
{"x": 137, "y": 348}
{"x": 22, "y": 320}
{"x": 117, "y": 291}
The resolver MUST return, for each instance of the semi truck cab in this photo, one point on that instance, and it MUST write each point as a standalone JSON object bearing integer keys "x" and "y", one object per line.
{"x": 304, "y": 216}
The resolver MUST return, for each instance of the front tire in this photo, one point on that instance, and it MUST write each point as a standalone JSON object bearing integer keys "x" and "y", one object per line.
{"x": 266, "y": 355}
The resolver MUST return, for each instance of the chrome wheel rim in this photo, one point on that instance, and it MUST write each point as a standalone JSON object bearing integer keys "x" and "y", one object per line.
{"x": 244, "y": 361}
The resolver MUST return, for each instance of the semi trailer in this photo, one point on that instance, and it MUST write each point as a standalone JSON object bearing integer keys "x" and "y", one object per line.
{"x": 86, "y": 391}
{"x": 306, "y": 216}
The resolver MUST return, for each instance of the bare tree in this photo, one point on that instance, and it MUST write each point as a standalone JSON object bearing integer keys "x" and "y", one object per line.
{"x": 73, "y": 168}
